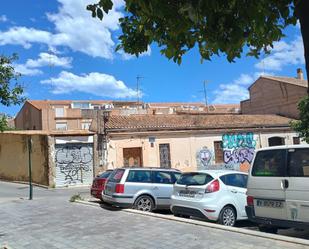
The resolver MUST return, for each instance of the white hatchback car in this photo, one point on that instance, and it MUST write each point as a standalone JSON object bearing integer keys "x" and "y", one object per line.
{"x": 217, "y": 195}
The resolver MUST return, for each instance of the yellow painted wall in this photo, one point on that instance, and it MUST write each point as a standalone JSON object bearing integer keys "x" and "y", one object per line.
{"x": 14, "y": 158}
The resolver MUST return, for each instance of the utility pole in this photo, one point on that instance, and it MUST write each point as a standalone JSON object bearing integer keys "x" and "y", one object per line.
{"x": 205, "y": 94}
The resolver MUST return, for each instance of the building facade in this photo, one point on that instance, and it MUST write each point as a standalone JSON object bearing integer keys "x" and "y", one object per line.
{"x": 52, "y": 115}
{"x": 191, "y": 142}
{"x": 275, "y": 95}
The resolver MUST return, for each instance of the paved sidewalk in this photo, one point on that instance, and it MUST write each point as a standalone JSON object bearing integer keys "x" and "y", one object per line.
{"x": 51, "y": 221}
{"x": 55, "y": 223}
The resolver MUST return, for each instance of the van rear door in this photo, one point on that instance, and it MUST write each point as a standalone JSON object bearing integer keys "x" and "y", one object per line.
{"x": 297, "y": 197}
{"x": 266, "y": 184}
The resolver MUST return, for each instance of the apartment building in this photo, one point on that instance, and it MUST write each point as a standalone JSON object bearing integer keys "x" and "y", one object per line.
{"x": 78, "y": 115}
{"x": 276, "y": 95}
{"x": 55, "y": 114}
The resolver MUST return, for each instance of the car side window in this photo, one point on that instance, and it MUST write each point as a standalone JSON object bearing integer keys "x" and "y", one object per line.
{"x": 269, "y": 163}
{"x": 235, "y": 180}
{"x": 163, "y": 177}
{"x": 139, "y": 176}
{"x": 298, "y": 163}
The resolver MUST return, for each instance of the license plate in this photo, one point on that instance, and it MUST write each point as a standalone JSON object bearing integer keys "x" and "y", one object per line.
{"x": 187, "y": 193}
{"x": 269, "y": 203}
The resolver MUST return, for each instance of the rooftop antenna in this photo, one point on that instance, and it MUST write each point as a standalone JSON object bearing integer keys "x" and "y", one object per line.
{"x": 138, "y": 78}
{"x": 205, "y": 82}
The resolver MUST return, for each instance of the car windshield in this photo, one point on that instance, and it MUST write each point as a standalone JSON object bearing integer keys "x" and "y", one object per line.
{"x": 194, "y": 178}
{"x": 105, "y": 174}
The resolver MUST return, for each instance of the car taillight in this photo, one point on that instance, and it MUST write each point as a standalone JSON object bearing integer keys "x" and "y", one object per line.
{"x": 213, "y": 187}
{"x": 250, "y": 200}
{"x": 119, "y": 188}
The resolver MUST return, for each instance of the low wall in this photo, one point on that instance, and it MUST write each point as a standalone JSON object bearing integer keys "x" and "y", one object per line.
{"x": 14, "y": 158}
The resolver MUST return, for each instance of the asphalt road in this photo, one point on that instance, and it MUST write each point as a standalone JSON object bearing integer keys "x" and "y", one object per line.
{"x": 51, "y": 221}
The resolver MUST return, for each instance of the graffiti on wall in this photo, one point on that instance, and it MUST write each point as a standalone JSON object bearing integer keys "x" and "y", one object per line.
{"x": 73, "y": 161}
{"x": 238, "y": 150}
{"x": 204, "y": 157}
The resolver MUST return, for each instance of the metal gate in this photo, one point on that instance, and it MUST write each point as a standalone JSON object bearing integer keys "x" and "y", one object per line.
{"x": 74, "y": 164}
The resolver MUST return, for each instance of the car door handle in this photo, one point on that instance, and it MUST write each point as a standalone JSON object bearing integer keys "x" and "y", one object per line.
{"x": 234, "y": 191}
{"x": 284, "y": 184}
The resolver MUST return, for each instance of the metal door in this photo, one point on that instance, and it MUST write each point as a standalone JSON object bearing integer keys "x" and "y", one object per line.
{"x": 165, "y": 157}
{"x": 74, "y": 164}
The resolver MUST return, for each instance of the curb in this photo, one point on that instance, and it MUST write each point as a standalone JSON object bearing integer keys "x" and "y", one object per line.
{"x": 211, "y": 225}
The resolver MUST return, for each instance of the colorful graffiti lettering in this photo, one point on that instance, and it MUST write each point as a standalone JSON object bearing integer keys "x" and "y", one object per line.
{"x": 238, "y": 155}
{"x": 238, "y": 150}
{"x": 240, "y": 140}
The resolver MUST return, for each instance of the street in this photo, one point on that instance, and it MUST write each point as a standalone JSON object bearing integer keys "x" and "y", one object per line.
{"x": 51, "y": 221}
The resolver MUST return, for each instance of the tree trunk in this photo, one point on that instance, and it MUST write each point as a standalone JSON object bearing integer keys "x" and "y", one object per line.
{"x": 302, "y": 13}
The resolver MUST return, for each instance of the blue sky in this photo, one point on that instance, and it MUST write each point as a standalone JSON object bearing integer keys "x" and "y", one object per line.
{"x": 66, "y": 54}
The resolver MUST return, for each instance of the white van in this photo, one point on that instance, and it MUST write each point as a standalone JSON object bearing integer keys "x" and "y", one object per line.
{"x": 278, "y": 188}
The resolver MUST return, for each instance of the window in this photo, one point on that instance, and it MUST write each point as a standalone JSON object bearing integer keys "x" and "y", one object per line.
{"x": 81, "y": 105}
{"x": 218, "y": 152}
{"x": 86, "y": 125}
{"x": 269, "y": 163}
{"x": 275, "y": 141}
{"x": 296, "y": 140}
{"x": 163, "y": 177}
{"x": 235, "y": 180}
{"x": 104, "y": 174}
{"x": 139, "y": 176}
{"x": 165, "y": 158}
{"x": 194, "y": 179}
{"x": 298, "y": 162}
{"x": 116, "y": 175}
{"x": 59, "y": 112}
{"x": 61, "y": 126}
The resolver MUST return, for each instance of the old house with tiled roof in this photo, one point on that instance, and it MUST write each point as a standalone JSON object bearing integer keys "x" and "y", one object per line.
{"x": 190, "y": 142}
{"x": 276, "y": 95}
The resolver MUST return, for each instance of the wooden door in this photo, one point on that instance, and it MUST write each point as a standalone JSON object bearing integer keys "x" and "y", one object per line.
{"x": 132, "y": 157}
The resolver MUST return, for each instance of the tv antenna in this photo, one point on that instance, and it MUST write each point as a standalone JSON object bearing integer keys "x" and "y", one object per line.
{"x": 205, "y": 82}
{"x": 138, "y": 78}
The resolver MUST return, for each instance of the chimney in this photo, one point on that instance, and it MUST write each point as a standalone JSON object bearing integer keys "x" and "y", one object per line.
{"x": 300, "y": 74}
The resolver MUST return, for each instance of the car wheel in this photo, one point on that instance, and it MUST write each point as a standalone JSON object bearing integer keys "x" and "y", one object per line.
{"x": 227, "y": 216}
{"x": 144, "y": 203}
{"x": 268, "y": 229}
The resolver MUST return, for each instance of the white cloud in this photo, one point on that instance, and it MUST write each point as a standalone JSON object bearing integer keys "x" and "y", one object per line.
{"x": 3, "y": 18}
{"x": 234, "y": 91}
{"x": 24, "y": 70}
{"x": 95, "y": 83}
{"x": 283, "y": 54}
{"x": 74, "y": 28}
{"x": 45, "y": 59}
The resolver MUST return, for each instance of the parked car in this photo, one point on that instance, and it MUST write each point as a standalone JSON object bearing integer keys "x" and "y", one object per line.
{"x": 98, "y": 184}
{"x": 144, "y": 189}
{"x": 217, "y": 195}
{"x": 278, "y": 187}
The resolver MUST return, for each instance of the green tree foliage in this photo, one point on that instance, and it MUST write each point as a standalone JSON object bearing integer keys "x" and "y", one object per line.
{"x": 11, "y": 92}
{"x": 302, "y": 125}
{"x": 215, "y": 27}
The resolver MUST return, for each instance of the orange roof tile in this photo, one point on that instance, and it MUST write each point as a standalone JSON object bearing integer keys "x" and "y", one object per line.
{"x": 183, "y": 122}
